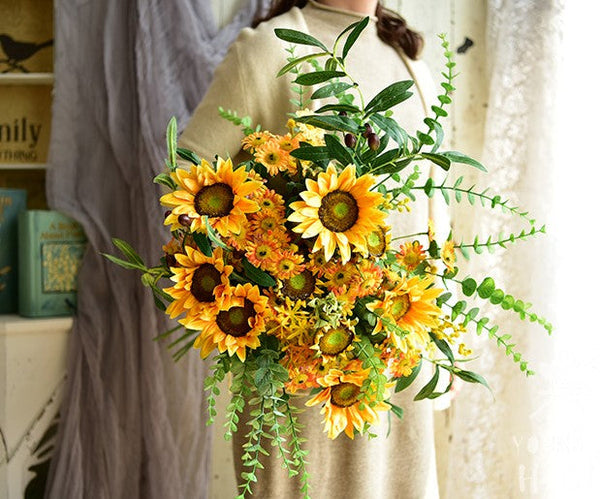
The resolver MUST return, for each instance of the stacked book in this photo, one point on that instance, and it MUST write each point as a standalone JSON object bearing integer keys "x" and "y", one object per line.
{"x": 40, "y": 256}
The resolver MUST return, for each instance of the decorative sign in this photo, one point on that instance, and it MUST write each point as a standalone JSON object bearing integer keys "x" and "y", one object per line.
{"x": 26, "y": 36}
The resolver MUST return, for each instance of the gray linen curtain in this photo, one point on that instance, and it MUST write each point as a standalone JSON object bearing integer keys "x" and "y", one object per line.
{"x": 132, "y": 422}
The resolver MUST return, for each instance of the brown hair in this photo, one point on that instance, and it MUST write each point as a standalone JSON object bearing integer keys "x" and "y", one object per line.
{"x": 391, "y": 27}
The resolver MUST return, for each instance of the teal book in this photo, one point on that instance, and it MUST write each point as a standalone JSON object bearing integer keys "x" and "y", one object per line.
{"x": 51, "y": 247}
{"x": 12, "y": 202}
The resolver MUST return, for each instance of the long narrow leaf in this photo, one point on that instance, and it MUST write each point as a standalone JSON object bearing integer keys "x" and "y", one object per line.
{"x": 389, "y": 97}
{"x": 318, "y": 77}
{"x": 172, "y": 142}
{"x": 353, "y": 36}
{"x": 293, "y": 36}
{"x": 294, "y": 62}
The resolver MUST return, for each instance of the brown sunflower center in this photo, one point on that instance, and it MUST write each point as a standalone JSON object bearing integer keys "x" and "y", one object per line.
{"x": 400, "y": 306}
{"x": 300, "y": 286}
{"x": 235, "y": 321}
{"x": 376, "y": 242}
{"x": 345, "y": 394}
{"x": 338, "y": 211}
{"x": 214, "y": 200}
{"x": 335, "y": 341}
{"x": 204, "y": 281}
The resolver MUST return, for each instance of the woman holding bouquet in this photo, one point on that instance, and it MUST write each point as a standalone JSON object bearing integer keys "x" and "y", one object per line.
{"x": 401, "y": 465}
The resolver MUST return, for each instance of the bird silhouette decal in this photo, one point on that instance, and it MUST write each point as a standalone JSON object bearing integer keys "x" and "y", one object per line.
{"x": 17, "y": 52}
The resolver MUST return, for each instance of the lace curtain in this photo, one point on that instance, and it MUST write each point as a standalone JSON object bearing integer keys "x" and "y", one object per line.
{"x": 132, "y": 422}
{"x": 535, "y": 438}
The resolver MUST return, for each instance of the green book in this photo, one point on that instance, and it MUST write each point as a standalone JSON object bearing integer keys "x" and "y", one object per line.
{"x": 12, "y": 202}
{"x": 51, "y": 247}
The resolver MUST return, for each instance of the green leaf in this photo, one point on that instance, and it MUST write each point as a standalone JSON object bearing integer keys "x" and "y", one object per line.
{"x": 398, "y": 411}
{"x": 337, "y": 150}
{"x": 389, "y": 97}
{"x": 389, "y": 126}
{"x": 257, "y": 275}
{"x": 439, "y": 133}
{"x": 128, "y": 251}
{"x": 459, "y": 157}
{"x": 158, "y": 303}
{"x": 294, "y": 62}
{"x": 188, "y": 155}
{"x": 165, "y": 179}
{"x": 386, "y": 157}
{"x": 293, "y": 36}
{"x": 337, "y": 123}
{"x": 425, "y": 138}
{"x": 471, "y": 377}
{"x": 438, "y": 159}
{"x": 123, "y": 263}
{"x": 212, "y": 235}
{"x": 428, "y": 187}
{"x": 311, "y": 153}
{"x": 203, "y": 242}
{"x": 406, "y": 381}
{"x": 353, "y": 36}
{"x": 348, "y": 108}
{"x": 331, "y": 64}
{"x": 497, "y": 297}
{"x": 486, "y": 288}
{"x": 172, "y": 142}
{"x": 318, "y": 77}
{"x": 443, "y": 346}
{"x": 428, "y": 389}
{"x": 458, "y": 308}
{"x": 469, "y": 285}
{"x": 330, "y": 89}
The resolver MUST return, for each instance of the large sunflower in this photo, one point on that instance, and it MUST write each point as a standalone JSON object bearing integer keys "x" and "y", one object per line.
{"x": 219, "y": 194}
{"x": 339, "y": 210}
{"x": 237, "y": 325}
{"x": 345, "y": 409}
{"x": 199, "y": 280}
{"x": 410, "y": 305}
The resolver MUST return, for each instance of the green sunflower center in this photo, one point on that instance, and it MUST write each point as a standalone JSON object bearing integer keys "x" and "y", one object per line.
{"x": 235, "y": 321}
{"x": 300, "y": 286}
{"x": 214, "y": 200}
{"x": 400, "y": 306}
{"x": 338, "y": 211}
{"x": 335, "y": 341}
{"x": 376, "y": 242}
{"x": 345, "y": 394}
{"x": 204, "y": 281}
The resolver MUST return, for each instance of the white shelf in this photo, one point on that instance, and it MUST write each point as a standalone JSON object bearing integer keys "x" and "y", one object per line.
{"x": 23, "y": 166}
{"x": 15, "y": 324}
{"x": 27, "y": 79}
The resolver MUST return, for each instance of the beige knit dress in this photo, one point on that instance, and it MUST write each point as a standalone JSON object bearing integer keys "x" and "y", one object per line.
{"x": 403, "y": 464}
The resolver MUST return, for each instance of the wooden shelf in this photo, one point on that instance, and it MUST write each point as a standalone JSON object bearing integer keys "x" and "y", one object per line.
{"x": 15, "y": 324}
{"x": 27, "y": 79}
{"x": 23, "y": 166}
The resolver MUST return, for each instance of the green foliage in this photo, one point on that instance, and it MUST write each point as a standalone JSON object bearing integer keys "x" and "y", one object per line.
{"x": 406, "y": 381}
{"x": 245, "y": 122}
{"x": 434, "y": 127}
{"x": 256, "y": 275}
{"x": 389, "y": 97}
{"x": 172, "y": 143}
{"x": 374, "y": 386}
{"x": 188, "y": 155}
{"x": 211, "y": 385}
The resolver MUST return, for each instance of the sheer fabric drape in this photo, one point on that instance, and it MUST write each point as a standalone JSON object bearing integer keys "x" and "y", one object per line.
{"x": 132, "y": 422}
{"x": 495, "y": 447}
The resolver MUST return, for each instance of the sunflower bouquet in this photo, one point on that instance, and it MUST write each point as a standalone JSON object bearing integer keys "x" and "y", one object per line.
{"x": 284, "y": 272}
